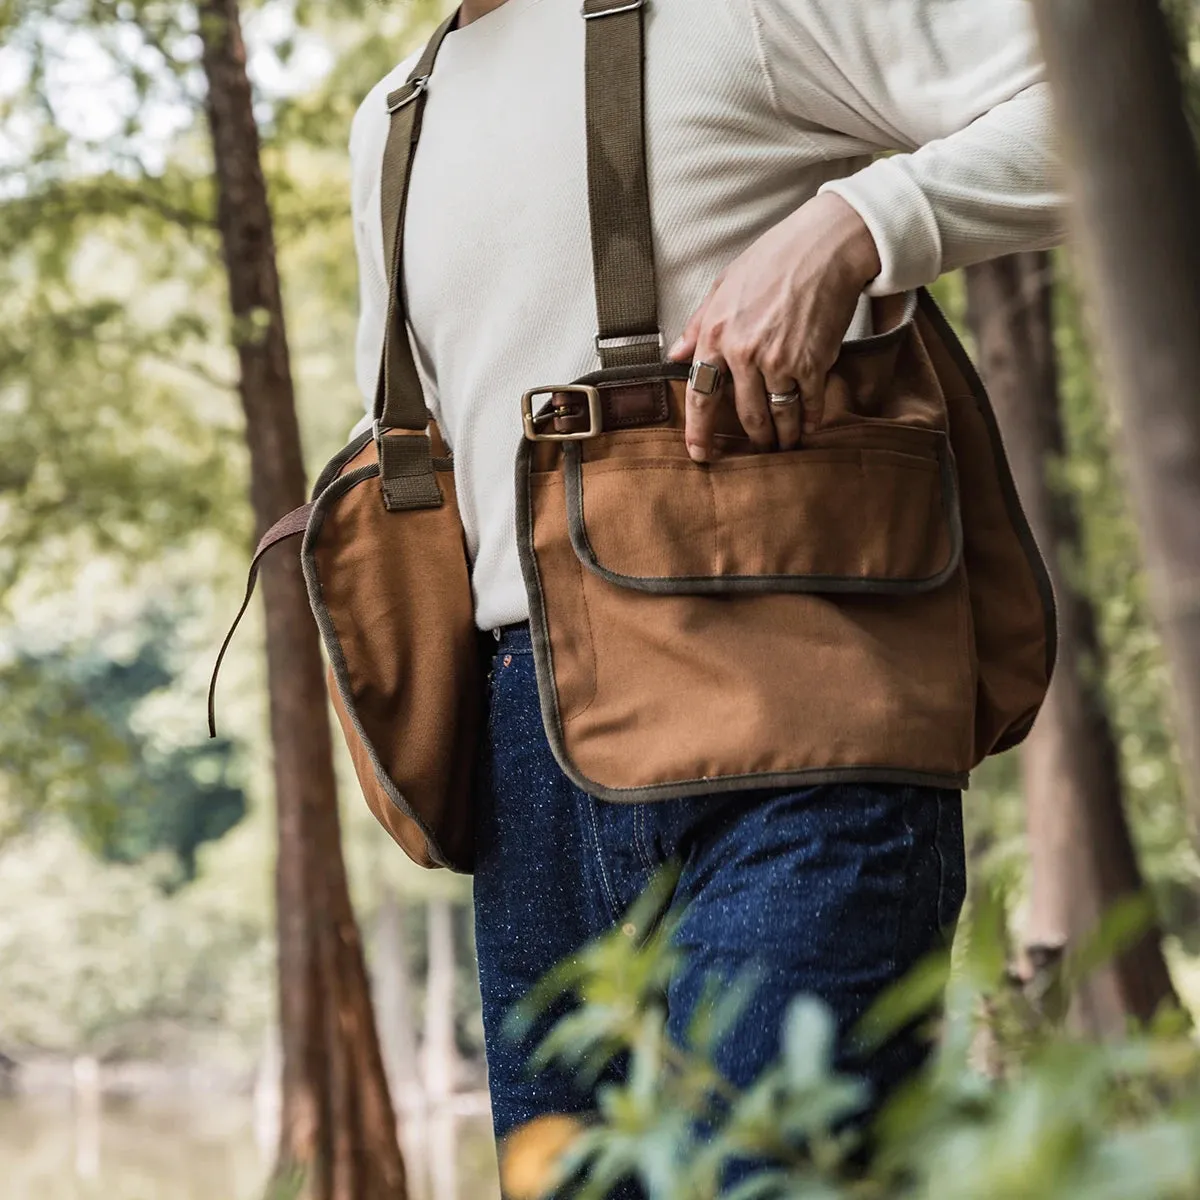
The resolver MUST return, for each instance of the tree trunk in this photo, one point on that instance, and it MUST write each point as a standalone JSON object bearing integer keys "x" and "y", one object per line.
{"x": 441, "y": 1052}
{"x": 394, "y": 995}
{"x": 1081, "y": 851}
{"x": 1136, "y": 179}
{"x": 337, "y": 1128}
{"x": 394, "y": 1008}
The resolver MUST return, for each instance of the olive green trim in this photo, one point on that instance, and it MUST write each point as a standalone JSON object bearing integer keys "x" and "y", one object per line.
{"x": 802, "y": 778}
{"x": 333, "y": 468}
{"x": 654, "y": 373}
{"x": 337, "y": 656}
{"x": 720, "y": 585}
{"x": 543, "y": 658}
{"x": 1008, "y": 488}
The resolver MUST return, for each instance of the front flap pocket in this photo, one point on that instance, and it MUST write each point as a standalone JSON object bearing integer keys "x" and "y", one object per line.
{"x": 864, "y": 519}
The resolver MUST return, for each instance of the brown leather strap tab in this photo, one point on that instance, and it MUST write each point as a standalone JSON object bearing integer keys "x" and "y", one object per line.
{"x": 622, "y": 405}
{"x": 294, "y": 524}
{"x": 618, "y": 186}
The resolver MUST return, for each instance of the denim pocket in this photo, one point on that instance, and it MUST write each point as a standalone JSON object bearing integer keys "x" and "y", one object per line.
{"x": 507, "y": 689}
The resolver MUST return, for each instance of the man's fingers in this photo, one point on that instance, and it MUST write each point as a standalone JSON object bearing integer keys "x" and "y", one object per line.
{"x": 686, "y": 346}
{"x": 750, "y": 396}
{"x": 700, "y": 410}
{"x": 812, "y": 382}
{"x": 788, "y": 418}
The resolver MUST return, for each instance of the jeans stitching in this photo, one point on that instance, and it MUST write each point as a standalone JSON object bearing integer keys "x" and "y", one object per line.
{"x": 937, "y": 846}
{"x": 639, "y": 836}
{"x": 612, "y": 904}
{"x": 946, "y": 926}
{"x": 906, "y": 899}
{"x": 493, "y": 706}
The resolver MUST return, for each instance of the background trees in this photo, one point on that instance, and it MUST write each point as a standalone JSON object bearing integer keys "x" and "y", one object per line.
{"x": 1136, "y": 180}
{"x": 124, "y": 523}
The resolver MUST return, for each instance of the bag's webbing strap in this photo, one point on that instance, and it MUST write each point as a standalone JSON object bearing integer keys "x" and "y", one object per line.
{"x": 622, "y": 233}
{"x": 406, "y": 466}
{"x": 618, "y": 188}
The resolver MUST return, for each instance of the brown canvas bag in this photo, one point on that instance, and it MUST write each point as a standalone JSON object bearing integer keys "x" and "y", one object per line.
{"x": 870, "y": 606}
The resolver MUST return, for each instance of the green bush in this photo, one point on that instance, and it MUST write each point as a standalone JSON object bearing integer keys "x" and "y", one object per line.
{"x": 1010, "y": 1105}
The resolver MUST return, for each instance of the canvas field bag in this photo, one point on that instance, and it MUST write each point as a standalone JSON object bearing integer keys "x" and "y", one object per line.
{"x": 868, "y": 607}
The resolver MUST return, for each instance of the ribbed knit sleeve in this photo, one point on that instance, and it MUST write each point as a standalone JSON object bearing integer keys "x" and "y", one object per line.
{"x": 956, "y": 87}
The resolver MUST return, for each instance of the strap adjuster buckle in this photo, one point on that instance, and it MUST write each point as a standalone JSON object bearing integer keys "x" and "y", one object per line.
{"x": 530, "y": 419}
{"x": 630, "y": 6}
{"x": 407, "y": 94}
{"x": 626, "y": 341}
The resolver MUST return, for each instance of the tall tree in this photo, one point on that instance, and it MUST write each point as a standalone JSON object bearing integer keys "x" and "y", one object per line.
{"x": 1081, "y": 851}
{"x": 441, "y": 1050}
{"x": 1136, "y": 180}
{"x": 338, "y": 1129}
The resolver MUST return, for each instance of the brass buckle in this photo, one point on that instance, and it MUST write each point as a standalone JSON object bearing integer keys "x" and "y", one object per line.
{"x": 530, "y": 420}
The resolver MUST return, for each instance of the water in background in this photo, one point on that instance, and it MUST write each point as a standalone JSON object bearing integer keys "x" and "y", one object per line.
{"x": 199, "y": 1150}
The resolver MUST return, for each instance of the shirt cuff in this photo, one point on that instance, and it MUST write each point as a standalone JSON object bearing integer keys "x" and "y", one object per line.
{"x": 902, "y": 222}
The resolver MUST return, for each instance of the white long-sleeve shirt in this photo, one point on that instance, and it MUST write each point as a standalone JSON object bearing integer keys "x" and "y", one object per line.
{"x": 753, "y": 106}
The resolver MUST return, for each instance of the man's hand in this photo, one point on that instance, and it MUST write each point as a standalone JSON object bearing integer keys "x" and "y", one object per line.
{"x": 775, "y": 320}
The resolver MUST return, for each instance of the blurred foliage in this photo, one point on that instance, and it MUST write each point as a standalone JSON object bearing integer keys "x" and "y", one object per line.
{"x": 1134, "y": 669}
{"x": 124, "y": 518}
{"x": 1008, "y": 1105}
{"x": 105, "y": 960}
{"x": 120, "y": 440}
{"x": 128, "y": 796}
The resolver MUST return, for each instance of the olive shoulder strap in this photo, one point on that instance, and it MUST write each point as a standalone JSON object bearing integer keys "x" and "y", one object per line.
{"x": 622, "y": 236}
{"x": 628, "y": 332}
{"x": 406, "y": 467}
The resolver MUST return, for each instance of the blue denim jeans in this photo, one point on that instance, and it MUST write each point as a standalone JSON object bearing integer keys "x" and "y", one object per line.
{"x": 835, "y": 891}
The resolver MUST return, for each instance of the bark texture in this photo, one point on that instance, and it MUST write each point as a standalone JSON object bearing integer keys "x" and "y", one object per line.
{"x": 393, "y": 978}
{"x": 441, "y": 1051}
{"x": 337, "y": 1128}
{"x": 1081, "y": 850}
{"x": 1136, "y": 182}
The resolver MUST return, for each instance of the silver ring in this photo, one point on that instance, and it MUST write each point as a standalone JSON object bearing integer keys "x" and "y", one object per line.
{"x": 784, "y": 399}
{"x": 705, "y": 378}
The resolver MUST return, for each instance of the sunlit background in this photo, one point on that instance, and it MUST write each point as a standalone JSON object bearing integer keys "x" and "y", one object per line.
{"x": 138, "y": 1055}
{"x": 138, "y": 1049}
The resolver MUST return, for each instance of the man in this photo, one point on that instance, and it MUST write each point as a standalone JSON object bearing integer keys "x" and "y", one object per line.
{"x": 774, "y": 224}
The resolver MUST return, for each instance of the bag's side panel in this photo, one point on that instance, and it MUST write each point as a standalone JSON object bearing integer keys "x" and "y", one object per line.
{"x": 1011, "y": 596}
{"x": 392, "y": 595}
{"x": 405, "y": 831}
